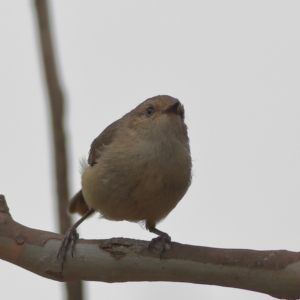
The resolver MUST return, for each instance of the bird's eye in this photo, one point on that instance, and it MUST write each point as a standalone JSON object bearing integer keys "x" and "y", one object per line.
{"x": 149, "y": 111}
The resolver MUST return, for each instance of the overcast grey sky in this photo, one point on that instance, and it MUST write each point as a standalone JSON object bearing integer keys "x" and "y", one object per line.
{"x": 235, "y": 65}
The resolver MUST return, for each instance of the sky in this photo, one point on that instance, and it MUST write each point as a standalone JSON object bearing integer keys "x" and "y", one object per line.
{"x": 235, "y": 65}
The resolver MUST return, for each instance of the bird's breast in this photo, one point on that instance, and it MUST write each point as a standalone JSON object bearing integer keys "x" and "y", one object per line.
{"x": 140, "y": 182}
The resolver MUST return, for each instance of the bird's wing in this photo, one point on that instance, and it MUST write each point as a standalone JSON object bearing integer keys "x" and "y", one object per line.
{"x": 104, "y": 139}
{"x": 77, "y": 204}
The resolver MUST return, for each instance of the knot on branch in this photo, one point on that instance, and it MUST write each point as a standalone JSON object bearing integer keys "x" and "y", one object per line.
{"x": 3, "y": 206}
{"x": 119, "y": 247}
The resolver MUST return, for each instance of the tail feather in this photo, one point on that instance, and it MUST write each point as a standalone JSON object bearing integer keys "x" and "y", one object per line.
{"x": 78, "y": 205}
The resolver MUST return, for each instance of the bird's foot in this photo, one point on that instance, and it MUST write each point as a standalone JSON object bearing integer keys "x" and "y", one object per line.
{"x": 70, "y": 238}
{"x": 160, "y": 244}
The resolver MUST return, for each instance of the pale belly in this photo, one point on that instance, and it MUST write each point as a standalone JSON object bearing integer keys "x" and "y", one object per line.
{"x": 141, "y": 192}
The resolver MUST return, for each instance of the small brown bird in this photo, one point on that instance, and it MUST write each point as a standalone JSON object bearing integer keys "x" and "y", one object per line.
{"x": 139, "y": 169}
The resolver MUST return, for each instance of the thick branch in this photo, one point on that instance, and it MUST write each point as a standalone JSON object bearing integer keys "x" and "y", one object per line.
{"x": 276, "y": 273}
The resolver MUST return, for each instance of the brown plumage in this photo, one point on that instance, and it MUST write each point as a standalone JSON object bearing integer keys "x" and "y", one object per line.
{"x": 139, "y": 166}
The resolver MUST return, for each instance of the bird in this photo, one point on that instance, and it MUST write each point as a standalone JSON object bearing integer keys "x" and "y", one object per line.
{"x": 138, "y": 169}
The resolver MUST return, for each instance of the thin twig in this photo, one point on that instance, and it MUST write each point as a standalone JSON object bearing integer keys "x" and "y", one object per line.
{"x": 56, "y": 101}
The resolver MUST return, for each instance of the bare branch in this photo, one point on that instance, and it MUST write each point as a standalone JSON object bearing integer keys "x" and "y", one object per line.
{"x": 56, "y": 101}
{"x": 276, "y": 273}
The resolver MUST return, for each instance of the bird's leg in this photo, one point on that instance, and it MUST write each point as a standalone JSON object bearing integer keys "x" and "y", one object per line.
{"x": 70, "y": 237}
{"x": 163, "y": 239}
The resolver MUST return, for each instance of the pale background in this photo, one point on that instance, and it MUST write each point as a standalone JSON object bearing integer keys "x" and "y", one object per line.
{"x": 235, "y": 65}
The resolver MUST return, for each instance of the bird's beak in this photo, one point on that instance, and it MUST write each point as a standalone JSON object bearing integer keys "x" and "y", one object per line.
{"x": 173, "y": 108}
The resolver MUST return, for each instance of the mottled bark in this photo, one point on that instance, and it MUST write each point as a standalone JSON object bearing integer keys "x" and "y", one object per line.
{"x": 276, "y": 273}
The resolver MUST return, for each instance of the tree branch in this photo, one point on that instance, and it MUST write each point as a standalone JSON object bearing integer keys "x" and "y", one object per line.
{"x": 276, "y": 273}
{"x": 56, "y": 101}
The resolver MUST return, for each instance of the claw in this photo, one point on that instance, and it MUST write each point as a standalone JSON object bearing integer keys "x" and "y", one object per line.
{"x": 70, "y": 238}
{"x": 159, "y": 244}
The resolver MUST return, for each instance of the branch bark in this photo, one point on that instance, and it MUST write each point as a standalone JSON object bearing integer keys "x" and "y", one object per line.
{"x": 276, "y": 273}
{"x": 56, "y": 101}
